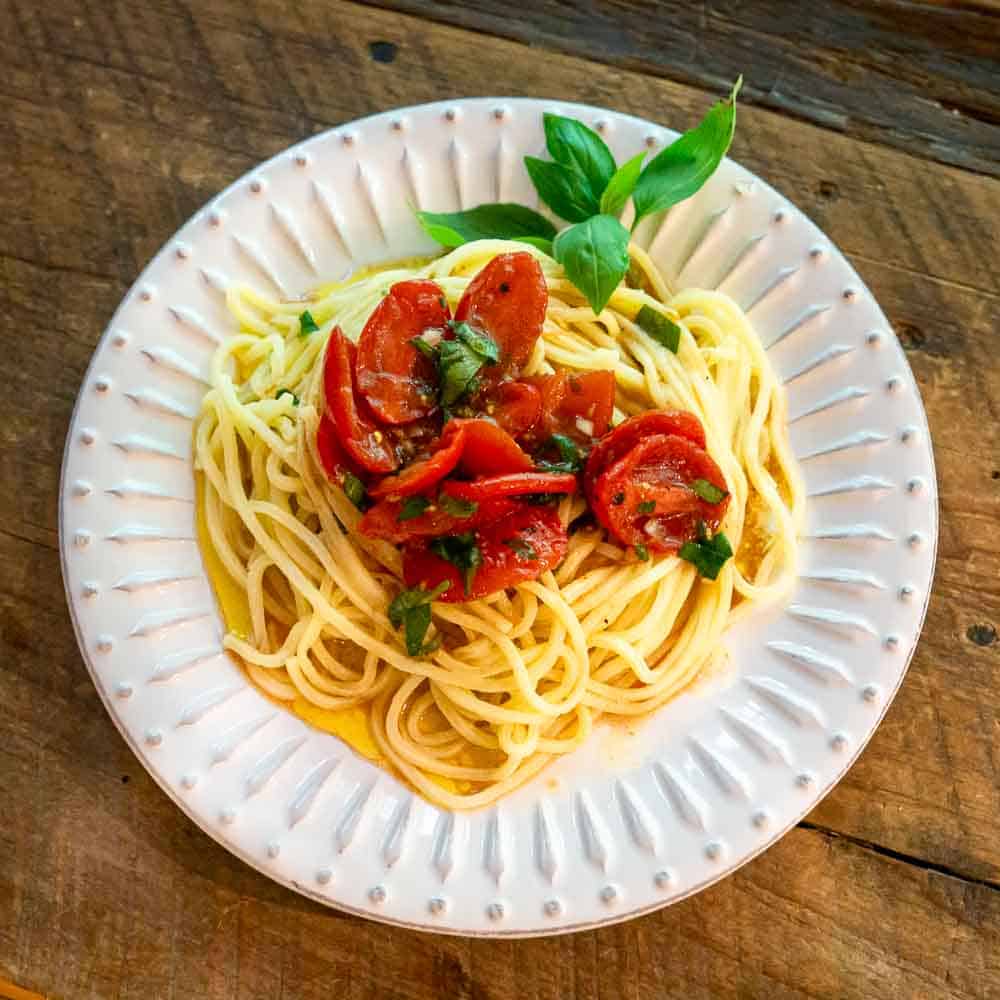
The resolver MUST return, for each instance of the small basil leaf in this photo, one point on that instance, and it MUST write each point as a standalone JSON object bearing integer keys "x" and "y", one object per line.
{"x": 646, "y": 507}
{"x": 595, "y": 256}
{"x": 287, "y": 392}
{"x": 708, "y": 555}
{"x": 456, "y": 507}
{"x": 504, "y": 221}
{"x": 581, "y": 149}
{"x": 462, "y": 552}
{"x": 355, "y": 490}
{"x": 482, "y": 343}
{"x": 621, "y": 185}
{"x": 412, "y": 507}
{"x": 459, "y": 365}
{"x": 412, "y": 610}
{"x": 427, "y": 350}
{"x": 708, "y": 492}
{"x": 523, "y": 550}
{"x": 570, "y": 456}
{"x": 684, "y": 166}
{"x": 416, "y": 621}
{"x": 642, "y": 552}
{"x": 307, "y": 324}
{"x": 561, "y": 189}
{"x": 664, "y": 331}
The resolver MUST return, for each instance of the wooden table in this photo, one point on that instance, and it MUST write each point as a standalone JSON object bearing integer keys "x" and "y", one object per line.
{"x": 119, "y": 119}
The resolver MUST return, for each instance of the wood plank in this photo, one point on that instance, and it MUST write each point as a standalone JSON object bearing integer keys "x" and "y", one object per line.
{"x": 924, "y": 77}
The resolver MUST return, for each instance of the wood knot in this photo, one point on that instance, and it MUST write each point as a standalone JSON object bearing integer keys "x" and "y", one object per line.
{"x": 382, "y": 52}
{"x": 981, "y": 635}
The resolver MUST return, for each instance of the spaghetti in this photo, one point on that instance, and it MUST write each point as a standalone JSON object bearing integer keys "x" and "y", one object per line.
{"x": 518, "y": 676}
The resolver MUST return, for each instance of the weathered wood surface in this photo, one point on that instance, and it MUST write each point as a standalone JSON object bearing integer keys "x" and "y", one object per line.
{"x": 118, "y": 120}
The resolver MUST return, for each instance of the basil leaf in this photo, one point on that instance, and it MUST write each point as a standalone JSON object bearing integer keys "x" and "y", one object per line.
{"x": 355, "y": 490}
{"x": 412, "y": 610}
{"x": 708, "y": 555}
{"x": 664, "y": 331}
{"x": 287, "y": 392}
{"x": 562, "y": 189}
{"x": 646, "y": 507}
{"x": 642, "y": 552}
{"x": 579, "y": 148}
{"x": 427, "y": 350}
{"x": 482, "y": 343}
{"x": 503, "y": 221}
{"x": 684, "y": 166}
{"x": 523, "y": 550}
{"x": 595, "y": 256}
{"x": 415, "y": 625}
{"x": 456, "y": 507}
{"x": 462, "y": 552}
{"x": 709, "y": 492}
{"x": 307, "y": 324}
{"x": 412, "y": 507}
{"x": 459, "y": 365}
{"x": 570, "y": 456}
{"x": 621, "y": 185}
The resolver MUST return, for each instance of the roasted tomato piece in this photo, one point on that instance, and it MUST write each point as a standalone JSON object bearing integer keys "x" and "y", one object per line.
{"x": 630, "y": 432}
{"x": 359, "y": 437}
{"x": 398, "y": 382}
{"x": 331, "y": 455}
{"x": 489, "y": 450}
{"x": 515, "y": 406}
{"x": 651, "y": 496}
{"x": 423, "y": 474}
{"x": 383, "y": 520}
{"x": 507, "y": 300}
{"x": 578, "y": 404}
{"x": 508, "y": 551}
{"x": 512, "y": 485}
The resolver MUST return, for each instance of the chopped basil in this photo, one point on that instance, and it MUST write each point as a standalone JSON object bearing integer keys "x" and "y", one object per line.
{"x": 427, "y": 350}
{"x": 664, "y": 331}
{"x": 646, "y": 507}
{"x": 708, "y": 555}
{"x": 523, "y": 549}
{"x": 709, "y": 492}
{"x": 482, "y": 343}
{"x": 570, "y": 456}
{"x": 355, "y": 490}
{"x": 642, "y": 553}
{"x": 462, "y": 552}
{"x": 457, "y": 507}
{"x": 412, "y": 507}
{"x": 412, "y": 610}
{"x": 287, "y": 392}
{"x": 307, "y": 324}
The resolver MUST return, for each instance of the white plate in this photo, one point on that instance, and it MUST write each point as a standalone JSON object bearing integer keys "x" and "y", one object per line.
{"x": 629, "y": 823}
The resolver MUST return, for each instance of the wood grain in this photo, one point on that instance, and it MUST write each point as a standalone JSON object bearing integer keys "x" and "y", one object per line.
{"x": 919, "y": 76}
{"x": 117, "y": 121}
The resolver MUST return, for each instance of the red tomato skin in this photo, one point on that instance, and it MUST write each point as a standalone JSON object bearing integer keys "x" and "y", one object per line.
{"x": 422, "y": 475}
{"x": 516, "y": 407}
{"x": 630, "y": 432}
{"x": 382, "y": 521}
{"x": 659, "y": 469}
{"x": 489, "y": 450}
{"x": 395, "y": 378}
{"x": 512, "y": 485}
{"x": 568, "y": 396}
{"x": 365, "y": 445}
{"x": 508, "y": 299}
{"x": 502, "y": 567}
{"x": 331, "y": 455}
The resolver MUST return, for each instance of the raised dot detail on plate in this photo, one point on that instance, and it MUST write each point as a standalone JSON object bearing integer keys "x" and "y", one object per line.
{"x": 891, "y": 643}
{"x": 779, "y": 215}
{"x": 153, "y": 737}
{"x": 88, "y": 436}
{"x": 181, "y": 252}
{"x": 90, "y": 589}
{"x": 188, "y": 781}
{"x": 123, "y": 689}
{"x": 552, "y": 907}
{"x": 81, "y": 488}
{"x": 817, "y": 252}
{"x": 102, "y": 383}
{"x": 82, "y": 539}
{"x": 915, "y": 540}
{"x": 450, "y": 115}
{"x": 915, "y": 485}
{"x": 436, "y": 906}
{"x": 839, "y": 742}
{"x": 870, "y": 693}
{"x": 146, "y": 294}
{"x": 849, "y": 294}
{"x": 906, "y": 592}
{"x": 273, "y": 849}
{"x": 761, "y": 819}
{"x": 495, "y": 911}
{"x": 873, "y": 338}
{"x": 893, "y": 383}
{"x": 804, "y": 780}
{"x": 347, "y": 139}
{"x": 214, "y": 220}
{"x": 104, "y": 643}
{"x": 301, "y": 160}
{"x": 609, "y": 895}
{"x": 120, "y": 339}
{"x": 650, "y": 141}
{"x": 600, "y": 126}
{"x": 256, "y": 186}
{"x": 377, "y": 894}
{"x": 499, "y": 113}
{"x": 397, "y": 125}
{"x": 909, "y": 435}
{"x": 713, "y": 850}
{"x": 227, "y": 816}
{"x": 663, "y": 879}
{"x": 323, "y": 876}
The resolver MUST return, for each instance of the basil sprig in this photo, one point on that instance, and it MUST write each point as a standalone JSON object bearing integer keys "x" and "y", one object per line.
{"x": 459, "y": 361}
{"x": 412, "y": 610}
{"x": 583, "y": 184}
{"x": 462, "y": 552}
{"x": 708, "y": 555}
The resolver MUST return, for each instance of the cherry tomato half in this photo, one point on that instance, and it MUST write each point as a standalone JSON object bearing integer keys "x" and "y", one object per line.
{"x": 578, "y": 404}
{"x": 515, "y": 406}
{"x": 357, "y": 433}
{"x": 508, "y": 299}
{"x": 421, "y": 475}
{"x": 382, "y": 521}
{"x": 395, "y": 378}
{"x": 489, "y": 450}
{"x": 514, "y": 549}
{"x": 516, "y": 484}
{"x": 646, "y": 497}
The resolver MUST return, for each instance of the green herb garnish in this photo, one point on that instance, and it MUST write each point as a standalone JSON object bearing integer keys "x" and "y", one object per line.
{"x": 642, "y": 553}
{"x": 427, "y": 350}
{"x": 307, "y": 324}
{"x": 664, "y": 331}
{"x": 500, "y": 221}
{"x": 595, "y": 256}
{"x": 708, "y": 492}
{"x": 412, "y": 507}
{"x": 355, "y": 490}
{"x": 646, "y": 507}
{"x": 412, "y": 610}
{"x": 482, "y": 343}
{"x": 708, "y": 555}
{"x": 287, "y": 392}
{"x": 542, "y": 499}
{"x": 457, "y": 507}
{"x": 523, "y": 549}
{"x": 462, "y": 552}
{"x": 570, "y": 456}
